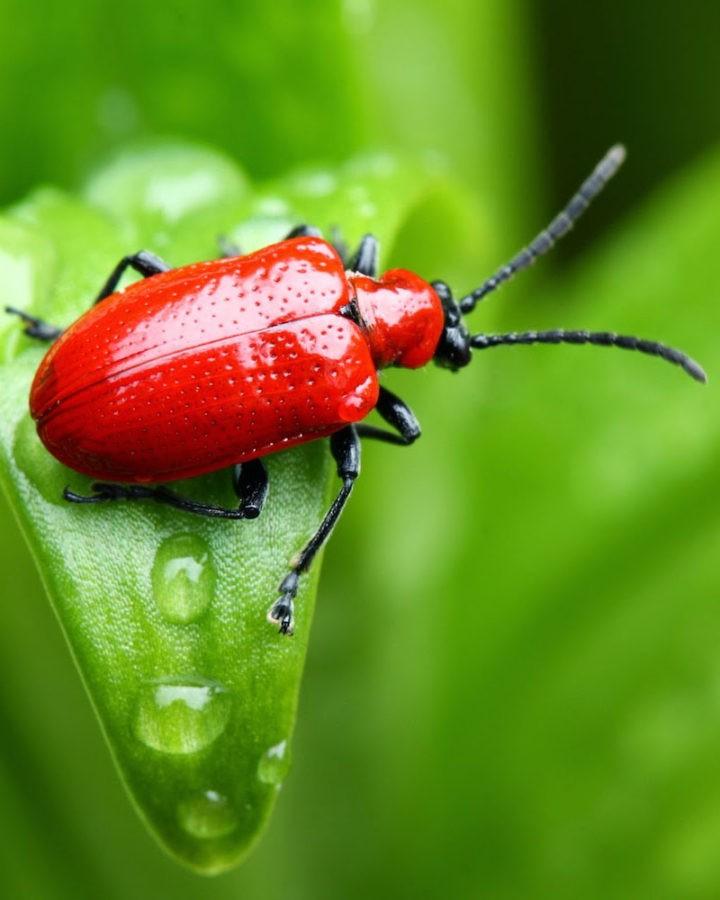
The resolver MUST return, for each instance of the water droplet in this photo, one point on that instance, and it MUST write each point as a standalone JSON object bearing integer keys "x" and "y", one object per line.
{"x": 183, "y": 578}
{"x": 182, "y": 715}
{"x": 274, "y": 764}
{"x": 36, "y": 463}
{"x": 207, "y": 815}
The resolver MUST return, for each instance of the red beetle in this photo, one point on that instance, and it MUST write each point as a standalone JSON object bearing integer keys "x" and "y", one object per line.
{"x": 219, "y": 363}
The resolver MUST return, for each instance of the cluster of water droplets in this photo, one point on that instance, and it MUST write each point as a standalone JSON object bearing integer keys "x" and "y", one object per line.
{"x": 174, "y": 715}
{"x": 187, "y": 715}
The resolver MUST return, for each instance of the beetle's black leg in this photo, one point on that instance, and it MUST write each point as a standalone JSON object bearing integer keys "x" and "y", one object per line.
{"x": 397, "y": 414}
{"x": 34, "y": 327}
{"x": 251, "y": 487}
{"x": 144, "y": 262}
{"x": 365, "y": 258}
{"x": 303, "y": 230}
{"x": 250, "y": 483}
{"x": 228, "y": 248}
{"x": 345, "y": 448}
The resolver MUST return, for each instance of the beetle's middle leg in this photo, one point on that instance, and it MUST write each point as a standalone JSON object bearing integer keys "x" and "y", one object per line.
{"x": 250, "y": 483}
{"x": 345, "y": 448}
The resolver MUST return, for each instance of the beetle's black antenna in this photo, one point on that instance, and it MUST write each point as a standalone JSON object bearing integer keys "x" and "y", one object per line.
{"x": 560, "y": 225}
{"x": 599, "y": 338}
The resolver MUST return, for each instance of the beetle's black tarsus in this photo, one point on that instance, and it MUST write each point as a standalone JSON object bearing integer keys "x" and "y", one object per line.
{"x": 34, "y": 327}
{"x": 559, "y": 227}
{"x": 398, "y": 415}
{"x": 345, "y": 448}
{"x": 144, "y": 262}
{"x": 365, "y": 259}
{"x": 599, "y": 339}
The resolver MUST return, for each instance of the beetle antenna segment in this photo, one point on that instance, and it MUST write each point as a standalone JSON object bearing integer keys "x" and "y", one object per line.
{"x": 559, "y": 227}
{"x": 599, "y": 339}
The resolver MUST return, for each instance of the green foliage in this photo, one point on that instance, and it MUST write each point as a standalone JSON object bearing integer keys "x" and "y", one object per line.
{"x": 165, "y": 615}
{"x": 512, "y": 686}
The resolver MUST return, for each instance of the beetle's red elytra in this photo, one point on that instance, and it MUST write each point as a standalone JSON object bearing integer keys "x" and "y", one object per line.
{"x": 217, "y": 364}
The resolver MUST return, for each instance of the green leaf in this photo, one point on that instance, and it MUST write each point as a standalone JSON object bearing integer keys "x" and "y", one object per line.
{"x": 165, "y": 613}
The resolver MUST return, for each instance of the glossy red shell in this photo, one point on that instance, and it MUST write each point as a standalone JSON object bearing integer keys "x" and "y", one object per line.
{"x": 212, "y": 364}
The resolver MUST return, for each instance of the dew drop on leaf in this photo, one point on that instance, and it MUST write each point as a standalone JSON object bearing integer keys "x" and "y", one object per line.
{"x": 274, "y": 764}
{"x": 181, "y": 715}
{"x": 207, "y": 815}
{"x": 183, "y": 578}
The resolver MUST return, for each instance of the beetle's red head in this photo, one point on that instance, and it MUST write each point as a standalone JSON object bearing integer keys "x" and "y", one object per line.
{"x": 402, "y": 315}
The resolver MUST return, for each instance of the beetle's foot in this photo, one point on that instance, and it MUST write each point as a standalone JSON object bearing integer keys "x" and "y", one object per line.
{"x": 34, "y": 327}
{"x": 282, "y": 611}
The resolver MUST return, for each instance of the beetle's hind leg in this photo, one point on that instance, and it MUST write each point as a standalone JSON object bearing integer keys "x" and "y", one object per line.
{"x": 34, "y": 327}
{"x": 249, "y": 482}
{"x": 144, "y": 262}
{"x": 345, "y": 448}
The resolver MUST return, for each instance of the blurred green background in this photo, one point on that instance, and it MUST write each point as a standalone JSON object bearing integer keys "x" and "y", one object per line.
{"x": 513, "y": 685}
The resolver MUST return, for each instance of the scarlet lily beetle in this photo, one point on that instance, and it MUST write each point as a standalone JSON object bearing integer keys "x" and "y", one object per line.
{"x": 216, "y": 364}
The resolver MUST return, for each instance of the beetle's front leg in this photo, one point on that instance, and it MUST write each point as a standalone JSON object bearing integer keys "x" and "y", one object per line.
{"x": 345, "y": 448}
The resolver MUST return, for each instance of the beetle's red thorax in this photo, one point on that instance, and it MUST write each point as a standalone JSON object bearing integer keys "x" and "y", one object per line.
{"x": 402, "y": 316}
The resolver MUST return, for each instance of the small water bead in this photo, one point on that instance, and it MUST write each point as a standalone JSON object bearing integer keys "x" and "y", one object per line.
{"x": 182, "y": 715}
{"x": 274, "y": 764}
{"x": 183, "y": 578}
{"x": 207, "y": 815}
